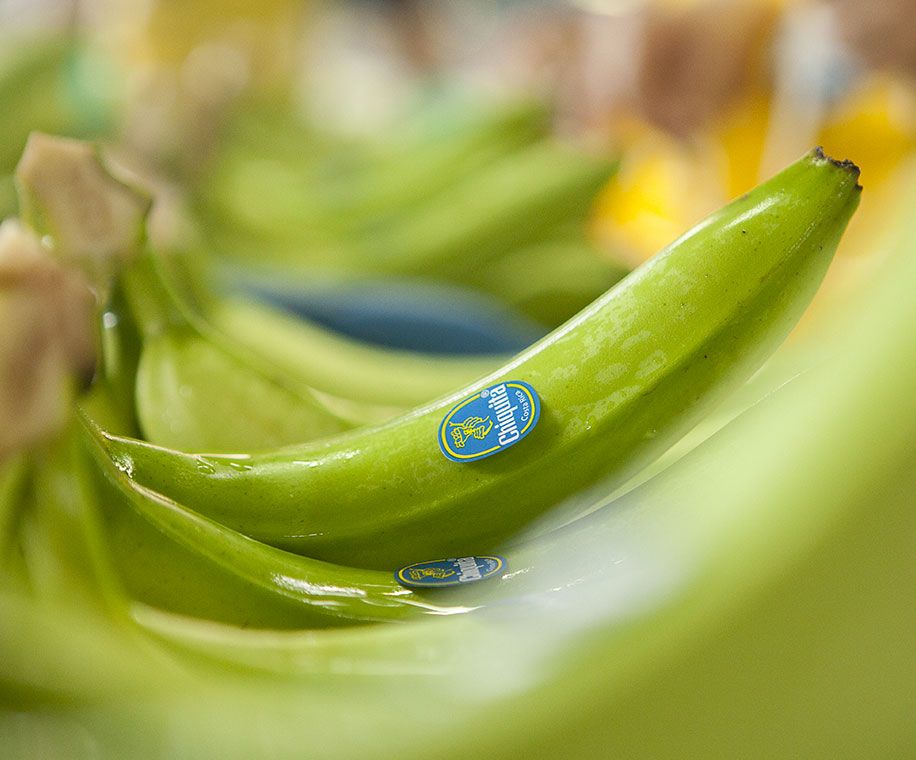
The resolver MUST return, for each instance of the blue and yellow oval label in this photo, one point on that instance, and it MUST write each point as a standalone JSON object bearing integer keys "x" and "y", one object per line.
{"x": 449, "y": 572}
{"x": 489, "y": 421}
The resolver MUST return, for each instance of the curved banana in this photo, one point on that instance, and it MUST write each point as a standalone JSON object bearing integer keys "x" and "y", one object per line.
{"x": 618, "y": 383}
{"x": 415, "y": 650}
{"x": 271, "y": 182}
{"x": 341, "y": 367}
{"x": 265, "y": 584}
{"x": 197, "y": 388}
{"x": 616, "y": 545}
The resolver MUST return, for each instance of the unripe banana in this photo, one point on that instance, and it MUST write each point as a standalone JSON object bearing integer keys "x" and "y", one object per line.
{"x": 612, "y": 547}
{"x": 544, "y": 186}
{"x": 272, "y": 181}
{"x": 196, "y": 387}
{"x": 304, "y": 590}
{"x": 240, "y": 375}
{"x": 618, "y": 384}
{"x": 514, "y": 202}
{"x": 344, "y": 368}
{"x": 428, "y": 649}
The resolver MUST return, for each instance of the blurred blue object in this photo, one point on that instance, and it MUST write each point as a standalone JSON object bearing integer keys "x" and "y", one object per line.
{"x": 412, "y": 315}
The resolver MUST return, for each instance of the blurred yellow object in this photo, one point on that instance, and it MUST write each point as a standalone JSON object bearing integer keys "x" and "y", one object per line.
{"x": 660, "y": 185}
{"x": 877, "y": 124}
{"x": 741, "y": 135}
{"x": 665, "y": 184}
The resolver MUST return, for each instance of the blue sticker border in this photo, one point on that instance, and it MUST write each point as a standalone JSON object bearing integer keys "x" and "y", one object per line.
{"x": 501, "y": 564}
{"x": 535, "y": 416}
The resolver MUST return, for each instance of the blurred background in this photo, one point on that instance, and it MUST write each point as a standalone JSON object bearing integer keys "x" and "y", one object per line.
{"x": 360, "y": 163}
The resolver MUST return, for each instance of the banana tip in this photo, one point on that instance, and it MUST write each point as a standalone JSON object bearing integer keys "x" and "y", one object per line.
{"x": 845, "y": 164}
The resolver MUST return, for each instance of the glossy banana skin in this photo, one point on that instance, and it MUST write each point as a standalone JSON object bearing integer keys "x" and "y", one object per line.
{"x": 175, "y": 564}
{"x": 618, "y": 384}
{"x": 262, "y": 585}
{"x": 168, "y": 557}
{"x": 93, "y": 538}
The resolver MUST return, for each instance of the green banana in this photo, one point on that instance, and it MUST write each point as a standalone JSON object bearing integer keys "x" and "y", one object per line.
{"x": 515, "y": 201}
{"x": 260, "y": 187}
{"x": 400, "y": 217}
{"x": 250, "y": 378}
{"x": 414, "y": 650}
{"x": 346, "y": 368}
{"x": 61, "y": 653}
{"x": 172, "y": 559}
{"x": 619, "y": 383}
{"x": 115, "y": 381}
{"x": 430, "y": 651}
{"x": 548, "y": 569}
{"x": 618, "y": 536}
{"x": 314, "y": 592}
{"x": 786, "y": 514}
{"x": 154, "y": 569}
{"x": 196, "y": 387}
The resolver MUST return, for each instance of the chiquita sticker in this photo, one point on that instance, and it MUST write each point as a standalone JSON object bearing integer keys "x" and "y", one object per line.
{"x": 449, "y": 572}
{"x": 489, "y": 421}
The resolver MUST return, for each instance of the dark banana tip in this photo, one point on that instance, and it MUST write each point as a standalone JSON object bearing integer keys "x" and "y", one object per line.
{"x": 845, "y": 164}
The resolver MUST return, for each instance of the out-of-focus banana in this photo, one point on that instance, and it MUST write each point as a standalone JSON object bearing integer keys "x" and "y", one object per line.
{"x": 343, "y": 368}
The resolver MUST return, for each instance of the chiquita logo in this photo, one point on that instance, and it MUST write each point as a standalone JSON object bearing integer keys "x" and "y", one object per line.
{"x": 489, "y": 421}
{"x": 449, "y": 572}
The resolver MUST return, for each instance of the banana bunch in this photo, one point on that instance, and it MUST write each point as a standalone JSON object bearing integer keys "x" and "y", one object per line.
{"x": 780, "y": 562}
{"x": 211, "y": 592}
{"x": 409, "y": 501}
{"x": 619, "y": 384}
